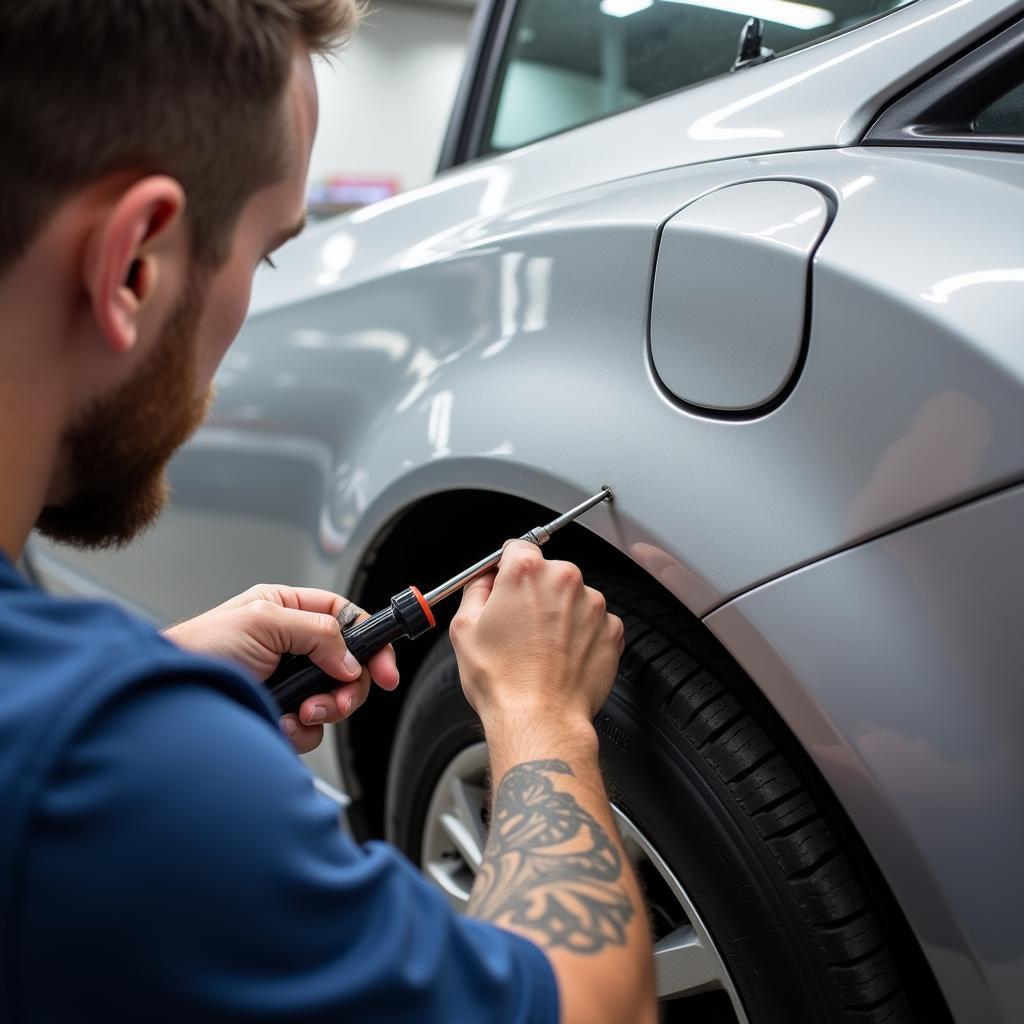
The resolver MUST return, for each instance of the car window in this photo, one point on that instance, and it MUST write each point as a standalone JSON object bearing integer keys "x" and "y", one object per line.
{"x": 1005, "y": 116}
{"x": 572, "y": 61}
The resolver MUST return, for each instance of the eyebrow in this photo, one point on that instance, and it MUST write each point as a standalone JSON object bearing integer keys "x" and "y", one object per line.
{"x": 289, "y": 233}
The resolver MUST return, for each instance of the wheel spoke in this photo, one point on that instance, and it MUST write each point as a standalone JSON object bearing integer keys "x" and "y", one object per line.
{"x": 454, "y": 836}
{"x": 443, "y": 876}
{"x": 464, "y": 840}
{"x": 469, "y": 800}
{"x": 683, "y": 965}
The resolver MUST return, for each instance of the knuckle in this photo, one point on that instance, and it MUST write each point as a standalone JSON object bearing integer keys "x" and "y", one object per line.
{"x": 617, "y": 630}
{"x": 327, "y": 625}
{"x": 260, "y": 593}
{"x": 523, "y": 561}
{"x": 520, "y": 547}
{"x": 567, "y": 575}
{"x": 264, "y": 611}
{"x": 459, "y": 627}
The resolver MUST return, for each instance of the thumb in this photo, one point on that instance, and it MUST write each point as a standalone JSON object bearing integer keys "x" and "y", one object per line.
{"x": 475, "y": 596}
{"x": 292, "y": 631}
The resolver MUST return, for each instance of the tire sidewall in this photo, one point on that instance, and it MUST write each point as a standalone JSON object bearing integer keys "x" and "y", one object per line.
{"x": 666, "y": 789}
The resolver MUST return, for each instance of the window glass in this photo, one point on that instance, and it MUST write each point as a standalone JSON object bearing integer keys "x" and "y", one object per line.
{"x": 1005, "y": 116}
{"x": 572, "y": 61}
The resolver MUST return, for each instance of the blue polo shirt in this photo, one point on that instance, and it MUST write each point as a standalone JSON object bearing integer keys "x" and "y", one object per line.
{"x": 164, "y": 855}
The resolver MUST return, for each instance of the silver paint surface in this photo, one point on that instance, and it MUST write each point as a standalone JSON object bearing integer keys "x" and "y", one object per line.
{"x": 898, "y": 665}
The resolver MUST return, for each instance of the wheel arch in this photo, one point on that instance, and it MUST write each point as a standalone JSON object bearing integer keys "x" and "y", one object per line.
{"x": 436, "y": 534}
{"x": 423, "y": 542}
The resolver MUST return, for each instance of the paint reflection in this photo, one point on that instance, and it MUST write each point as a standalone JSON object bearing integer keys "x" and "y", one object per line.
{"x": 516, "y": 312}
{"x": 392, "y": 344}
{"x": 802, "y": 240}
{"x": 941, "y": 291}
{"x": 856, "y": 185}
{"x": 439, "y": 424}
{"x": 335, "y": 256}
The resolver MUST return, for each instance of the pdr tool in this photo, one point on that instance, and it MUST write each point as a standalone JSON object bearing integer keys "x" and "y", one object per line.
{"x": 409, "y": 615}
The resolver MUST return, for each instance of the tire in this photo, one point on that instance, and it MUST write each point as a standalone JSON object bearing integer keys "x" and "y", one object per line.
{"x": 698, "y": 764}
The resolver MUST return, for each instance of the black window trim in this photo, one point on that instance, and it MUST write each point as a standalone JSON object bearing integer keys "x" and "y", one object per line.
{"x": 941, "y": 111}
{"x": 488, "y": 35}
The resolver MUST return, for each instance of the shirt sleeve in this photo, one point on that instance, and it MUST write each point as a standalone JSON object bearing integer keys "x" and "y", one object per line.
{"x": 181, "y": 866}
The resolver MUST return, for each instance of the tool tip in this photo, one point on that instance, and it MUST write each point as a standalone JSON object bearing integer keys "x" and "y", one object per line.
{"x": 607, "y": 492}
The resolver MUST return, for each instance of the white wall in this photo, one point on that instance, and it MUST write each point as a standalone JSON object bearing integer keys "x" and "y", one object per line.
{"x": 385, "y": 101}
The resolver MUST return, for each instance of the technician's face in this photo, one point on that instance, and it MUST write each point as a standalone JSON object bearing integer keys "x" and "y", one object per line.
{"x": 118, "y": 453}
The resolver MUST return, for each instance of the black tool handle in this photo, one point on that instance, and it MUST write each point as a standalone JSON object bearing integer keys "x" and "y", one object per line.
{"x": 297, "y": 678}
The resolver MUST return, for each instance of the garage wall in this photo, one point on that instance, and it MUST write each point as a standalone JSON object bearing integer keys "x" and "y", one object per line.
{"x": 385, "y": 102}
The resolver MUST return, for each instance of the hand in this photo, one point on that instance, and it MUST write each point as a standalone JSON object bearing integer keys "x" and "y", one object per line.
{"x": 532, "y": 637}
{"x": 257, "y": 627}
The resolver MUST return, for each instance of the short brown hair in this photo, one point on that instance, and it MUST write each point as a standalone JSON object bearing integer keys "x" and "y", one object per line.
{"x": 188, "y": 88}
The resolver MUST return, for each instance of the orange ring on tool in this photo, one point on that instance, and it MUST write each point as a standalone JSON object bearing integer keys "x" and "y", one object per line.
{"x": 426, "y": 607}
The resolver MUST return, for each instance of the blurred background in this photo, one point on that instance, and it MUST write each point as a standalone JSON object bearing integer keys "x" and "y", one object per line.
{"x": 385, "y": 102}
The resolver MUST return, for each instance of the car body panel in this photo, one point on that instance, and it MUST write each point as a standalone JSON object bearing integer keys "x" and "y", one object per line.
{"x": 863, "y": 655}
{"x": 909, "y": 399}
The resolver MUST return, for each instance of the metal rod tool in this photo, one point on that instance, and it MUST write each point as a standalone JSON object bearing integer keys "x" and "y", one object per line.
{"x": 408, "y": 615}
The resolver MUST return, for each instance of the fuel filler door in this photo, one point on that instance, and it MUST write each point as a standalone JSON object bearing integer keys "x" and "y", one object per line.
{"x": 732, "y": 291}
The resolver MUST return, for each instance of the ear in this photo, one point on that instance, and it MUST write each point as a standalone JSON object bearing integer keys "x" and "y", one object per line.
{"x": 128, "y": 249}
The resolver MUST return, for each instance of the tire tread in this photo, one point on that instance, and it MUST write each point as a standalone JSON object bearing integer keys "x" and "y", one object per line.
{"x": 764, "y": 784}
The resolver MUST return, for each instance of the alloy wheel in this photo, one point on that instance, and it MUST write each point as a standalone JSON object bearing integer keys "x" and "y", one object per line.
{"x": 687, "y": 961}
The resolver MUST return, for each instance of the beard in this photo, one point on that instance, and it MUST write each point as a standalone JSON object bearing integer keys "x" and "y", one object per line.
{"x": 116, "y": 453}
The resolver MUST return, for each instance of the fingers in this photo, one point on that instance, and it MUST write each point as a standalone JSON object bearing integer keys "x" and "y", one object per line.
{"x": 517, "y": 553}
{"x": 315, "y": 634}
{"x": 308, "y": 599}
{"x": 331, "y": 708}
{"x": 303, "y": 737}
{"x": 474, "y": 597}
{"x": 384, "y": 669}
{"x": 476, "y": 593}
{"x": 617, "y": 631}
{"x": 382, "y": 665}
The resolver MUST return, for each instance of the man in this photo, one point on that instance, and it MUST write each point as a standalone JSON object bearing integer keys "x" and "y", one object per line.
{"x": 164, "y": 855}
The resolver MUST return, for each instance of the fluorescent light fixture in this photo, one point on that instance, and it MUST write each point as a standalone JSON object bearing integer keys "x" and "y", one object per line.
{"x": 782, "y": 12}
{"x": 624, "y": 8}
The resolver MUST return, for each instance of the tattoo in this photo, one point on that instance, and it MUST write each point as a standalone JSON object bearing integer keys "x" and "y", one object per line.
{"x": 549, "y": 866}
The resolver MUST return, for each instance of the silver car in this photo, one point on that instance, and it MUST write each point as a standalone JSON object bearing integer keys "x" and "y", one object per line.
{"x": 758, "y": 265}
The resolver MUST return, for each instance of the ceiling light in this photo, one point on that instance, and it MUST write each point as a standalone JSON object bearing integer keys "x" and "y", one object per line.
{"x": 782, "y": 12}
{"x": 623, "y": 8}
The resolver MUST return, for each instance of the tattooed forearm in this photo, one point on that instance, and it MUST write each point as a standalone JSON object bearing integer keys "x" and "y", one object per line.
{"x": 549, "y": 866}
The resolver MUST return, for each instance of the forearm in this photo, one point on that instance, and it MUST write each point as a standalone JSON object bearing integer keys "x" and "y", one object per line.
{"x": 555, "y": 871}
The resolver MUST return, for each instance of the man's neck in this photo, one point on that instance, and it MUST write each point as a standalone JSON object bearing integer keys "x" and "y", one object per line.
{"x": 23, "y": 483}
{"x": 30, "y": 429}
{"x": 42, "y": 305}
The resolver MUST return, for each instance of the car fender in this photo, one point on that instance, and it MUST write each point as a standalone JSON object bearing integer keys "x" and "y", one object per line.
{"x": 897, "y": 667}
